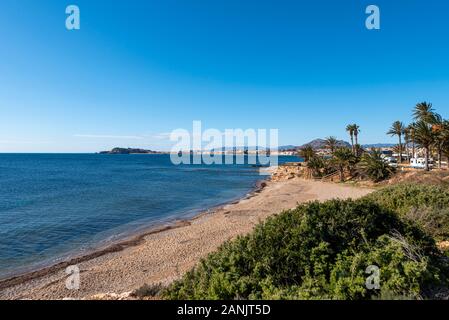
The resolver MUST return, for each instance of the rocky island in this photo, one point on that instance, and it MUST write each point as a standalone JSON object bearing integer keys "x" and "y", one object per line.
{"x": 129, "y": 151}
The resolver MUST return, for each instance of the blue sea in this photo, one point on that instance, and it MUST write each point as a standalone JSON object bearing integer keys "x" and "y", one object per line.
{"x": 55, "y": 206}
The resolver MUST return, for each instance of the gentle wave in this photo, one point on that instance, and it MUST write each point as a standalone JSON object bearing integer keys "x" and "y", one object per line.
{"x": 55, "y": 206}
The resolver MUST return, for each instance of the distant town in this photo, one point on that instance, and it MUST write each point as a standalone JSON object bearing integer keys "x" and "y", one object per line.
{"x": 319, "y": 145}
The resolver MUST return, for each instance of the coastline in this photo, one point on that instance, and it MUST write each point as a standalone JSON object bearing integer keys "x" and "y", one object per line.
{"x": 132, "y": 239}
{"x": 163, "y": 254}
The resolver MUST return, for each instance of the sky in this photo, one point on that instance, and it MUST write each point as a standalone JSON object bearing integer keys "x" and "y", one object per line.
{"x": 137, "y": 70}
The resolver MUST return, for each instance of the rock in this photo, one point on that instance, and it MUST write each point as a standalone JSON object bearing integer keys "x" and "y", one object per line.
{"x": 443, "y": 245}
{"x": 288, "y": 172}
{"x": 129, "y": 151}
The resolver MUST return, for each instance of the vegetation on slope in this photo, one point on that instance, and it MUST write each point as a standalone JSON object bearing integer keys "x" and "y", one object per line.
{"x": 322, "y": 251}
{"x": 426, "y": 205}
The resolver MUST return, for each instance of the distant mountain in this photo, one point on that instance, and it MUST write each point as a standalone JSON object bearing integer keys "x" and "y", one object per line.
{"x": 378, "y": 145}
{"x": 316, "y": 144}
{"x": 287, "y": 147}
{"x": 321, "y": 144}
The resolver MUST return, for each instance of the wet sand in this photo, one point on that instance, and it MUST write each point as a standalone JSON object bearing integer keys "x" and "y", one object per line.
{"x": 163, "y": 255}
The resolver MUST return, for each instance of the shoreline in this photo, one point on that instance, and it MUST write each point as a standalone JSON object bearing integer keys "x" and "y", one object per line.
{"x": 164, "y": 254}
{"x": 133, "y": 239}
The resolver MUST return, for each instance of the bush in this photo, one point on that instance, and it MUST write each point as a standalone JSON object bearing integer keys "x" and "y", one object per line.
{"x": 402, "y": 198}
{"x": 434, "y": 221}
{"x": 427, "y": 206}
{"x": 320, "y": 251}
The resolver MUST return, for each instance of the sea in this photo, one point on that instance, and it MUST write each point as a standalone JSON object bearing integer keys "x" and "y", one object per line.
{"x": 57, "y": 206}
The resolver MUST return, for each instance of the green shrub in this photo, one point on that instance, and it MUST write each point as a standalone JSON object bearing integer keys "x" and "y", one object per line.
{"x": 427, "y": 206}
{"x": 319, "y": 251}
{"x": 402, "y": 198}
{"x": 434, "y": 221}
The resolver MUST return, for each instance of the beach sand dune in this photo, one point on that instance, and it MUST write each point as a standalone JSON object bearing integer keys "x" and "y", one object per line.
{"x": 162, "y": 257}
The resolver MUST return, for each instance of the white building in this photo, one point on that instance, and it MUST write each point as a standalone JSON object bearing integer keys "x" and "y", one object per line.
{"x": 420, "y": 163}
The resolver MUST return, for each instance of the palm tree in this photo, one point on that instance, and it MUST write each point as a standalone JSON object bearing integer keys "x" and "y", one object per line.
{"x": 358, "y": 150}
{"x": 374, "y": 166}
{"x": 356, "y": 133}
{"x": 307, "y": 153}
{"x": 343, "y": 158}
{"x": 438, "y": 128}
{"x": 316, "y": 164}
{"x": 424, "y": 112}
{"x": 446, "y": 141}
{"x": 397, "y": 129}
{"x": 396, "y": 149}
{"x": 411, "y": 129}
{"x": 446, "y": 153}
{"x": 350, "y": 129}
{"x": 331, "y": 143}
{"x": 407, "y": 142}
{"x": 424, "y": 136}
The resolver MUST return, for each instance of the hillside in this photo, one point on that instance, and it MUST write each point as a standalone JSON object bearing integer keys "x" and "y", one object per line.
{"x": 321, "y": 144}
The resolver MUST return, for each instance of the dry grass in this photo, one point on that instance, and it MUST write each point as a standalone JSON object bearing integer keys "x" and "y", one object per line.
{"x": 436, "y": 177}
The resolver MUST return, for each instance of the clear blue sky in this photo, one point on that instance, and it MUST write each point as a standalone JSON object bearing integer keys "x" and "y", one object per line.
{"x": 139, "y": 69}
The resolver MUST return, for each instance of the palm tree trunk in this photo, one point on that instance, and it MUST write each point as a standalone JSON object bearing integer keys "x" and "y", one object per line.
{"x": 427, "y": 159}
{"x": 352, "y": 143}
{"x": 407, "y": 149}
{"x": 439, "y": 156}
{"x": 413, "y": 148}
{"x": 356, "y": 151}
{"x": 400, "y": 149}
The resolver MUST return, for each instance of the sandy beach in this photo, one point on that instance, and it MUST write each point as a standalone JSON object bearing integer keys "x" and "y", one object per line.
{"x": 164, "y": 255}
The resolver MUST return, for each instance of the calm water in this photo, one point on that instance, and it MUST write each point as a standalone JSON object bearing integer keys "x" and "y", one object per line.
{"x": 53, "y": 206}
